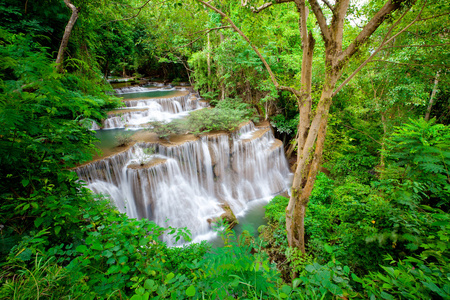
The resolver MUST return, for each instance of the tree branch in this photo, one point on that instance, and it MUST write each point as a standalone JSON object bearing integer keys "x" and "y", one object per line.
{"x": 383, "y": 43}
{"x": 329, "y": 5}
{"x": 272, "y": 76}
{"x": 370, "y": 27}
{"x": 362, "y": 133}
{"x": 133, "y": 16}
{"x": 268, "y": 4}
{"x": 209, "y": 29}
{"x": 337, "y": 22}
{"x": 409, "y": 46}
{"x": 262, "y": 7}
{"x": 206, "y": 31}
{"x": 66, "y": 36}
{"x": 406, "y": 64}
{"x": 317, "y": 10}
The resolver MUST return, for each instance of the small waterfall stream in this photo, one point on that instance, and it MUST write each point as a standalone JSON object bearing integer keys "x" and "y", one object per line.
{"x": 184, "y": 184}
{"x": 142, "y": 107}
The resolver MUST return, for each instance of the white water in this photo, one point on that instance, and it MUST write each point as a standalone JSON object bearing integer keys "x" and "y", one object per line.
{"x": 183, "y": 185}
{"x": 149, "y": 109}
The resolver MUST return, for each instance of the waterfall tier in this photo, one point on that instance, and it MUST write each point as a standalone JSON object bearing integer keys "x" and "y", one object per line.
{"x": 186, "y": 182}
{"x": 140, "y": 110}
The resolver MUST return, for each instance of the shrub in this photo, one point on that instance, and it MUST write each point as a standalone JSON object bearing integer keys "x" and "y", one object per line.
{"x": 123, "y": 139}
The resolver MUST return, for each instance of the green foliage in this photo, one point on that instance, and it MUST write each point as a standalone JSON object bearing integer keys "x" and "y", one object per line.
{"x": 275, "y": 213}
{"x": 328, "y": 280}
{"x": 118, "y": 253}
{"x": 204, "y": 120}
{"x": 276, "y": 208}
{"x": 165, "y": 129}
{"x": 44, "y": 279}
{"x": 123, "y": 139}
{"x": 207, "y": 120}
{"x": 234, "y": 272}
{"x": 42, "y": 134}
{"x": 420, "y": 277}
{"x": 421, "y": 150}
{"x": 284, "y": 125}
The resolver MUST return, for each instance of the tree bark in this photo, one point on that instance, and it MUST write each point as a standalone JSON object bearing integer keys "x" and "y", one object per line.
{"x": 433, "y": 93}
{"x": 66, "y": 36}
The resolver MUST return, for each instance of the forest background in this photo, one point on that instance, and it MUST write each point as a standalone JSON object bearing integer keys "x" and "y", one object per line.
{"x": 377, "y": 222}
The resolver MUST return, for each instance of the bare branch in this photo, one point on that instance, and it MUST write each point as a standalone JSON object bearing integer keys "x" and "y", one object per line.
{"x": 329, "y": 5}
{"x": 434, "y": 17}
{"x": 66, "y": 36}
{"x": 383, "y": 43}
{"x": 370, "y": 27}
{"x": 317, "y": 10}
{"x": 133, "y": 16}
{"x": 337, "y": 22}
{"x": 262, "y": 7}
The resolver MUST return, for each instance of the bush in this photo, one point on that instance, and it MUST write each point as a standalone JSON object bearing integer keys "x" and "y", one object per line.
{"x": 201, "y": 121}
{"x": 123, "y": 139}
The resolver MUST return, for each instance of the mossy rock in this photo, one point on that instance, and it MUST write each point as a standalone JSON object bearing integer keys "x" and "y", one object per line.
{"x": 227, "y": 217}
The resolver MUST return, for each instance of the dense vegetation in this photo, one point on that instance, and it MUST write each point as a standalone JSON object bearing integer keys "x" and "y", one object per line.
{"x": 377, "y": 224}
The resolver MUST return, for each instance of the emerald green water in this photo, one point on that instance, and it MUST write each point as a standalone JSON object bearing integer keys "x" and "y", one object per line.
{"x": 150, "y": 94}
{"x": 107, "y": 138}
{"x": 250, "y": 220}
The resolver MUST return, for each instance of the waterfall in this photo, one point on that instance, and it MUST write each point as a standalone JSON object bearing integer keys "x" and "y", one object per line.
{"x": 142, "y": 108}
{"x": 185, "y": 183}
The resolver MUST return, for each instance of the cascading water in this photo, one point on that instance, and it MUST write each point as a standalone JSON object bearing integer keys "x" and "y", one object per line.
{"x": 142, "y": 107}
{"x": 184, "y": 184}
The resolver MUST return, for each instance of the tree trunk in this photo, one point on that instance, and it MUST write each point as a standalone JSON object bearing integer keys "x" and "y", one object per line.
{"x": 66, "y": 36}
{"x": 307, "y": 168}
{"x": 433, "y": 93}
{"x": 208, "y": 61}
{"x": 383, "y": 145}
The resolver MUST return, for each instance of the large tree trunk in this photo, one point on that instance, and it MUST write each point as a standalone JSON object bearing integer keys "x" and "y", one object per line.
{"x": 308, "y": 164}
{"x": 66, "y": 36}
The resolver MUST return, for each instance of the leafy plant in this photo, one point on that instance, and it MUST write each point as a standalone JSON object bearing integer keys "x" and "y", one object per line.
{"x": 123, "y": 139}
{"x": 421, "y": 150}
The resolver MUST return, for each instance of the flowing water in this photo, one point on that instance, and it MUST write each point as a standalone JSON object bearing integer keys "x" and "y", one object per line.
{"x": 184, "y": 184}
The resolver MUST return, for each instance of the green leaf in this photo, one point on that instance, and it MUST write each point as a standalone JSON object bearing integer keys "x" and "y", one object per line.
{"x": 286, "y": 289}
{"x": 57, "y": 229}
{"x": 328, "y": 248}
{"x": 190, "y": 291}
{"x": 38, "y": 222}
{"x": 149, "y": 284}
{"x": 25, "y": 182}
{"x": 81, "y": 249}
{"x": 346, "y": 269}
{"x": 296, "y": 282}
{"x": 169, "y": 276}
{"x": 97, "y": 246}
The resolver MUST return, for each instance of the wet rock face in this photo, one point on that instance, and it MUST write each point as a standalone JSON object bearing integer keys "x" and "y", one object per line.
{"x": 192, "y": 180}
{"x": 227, "y": 217}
